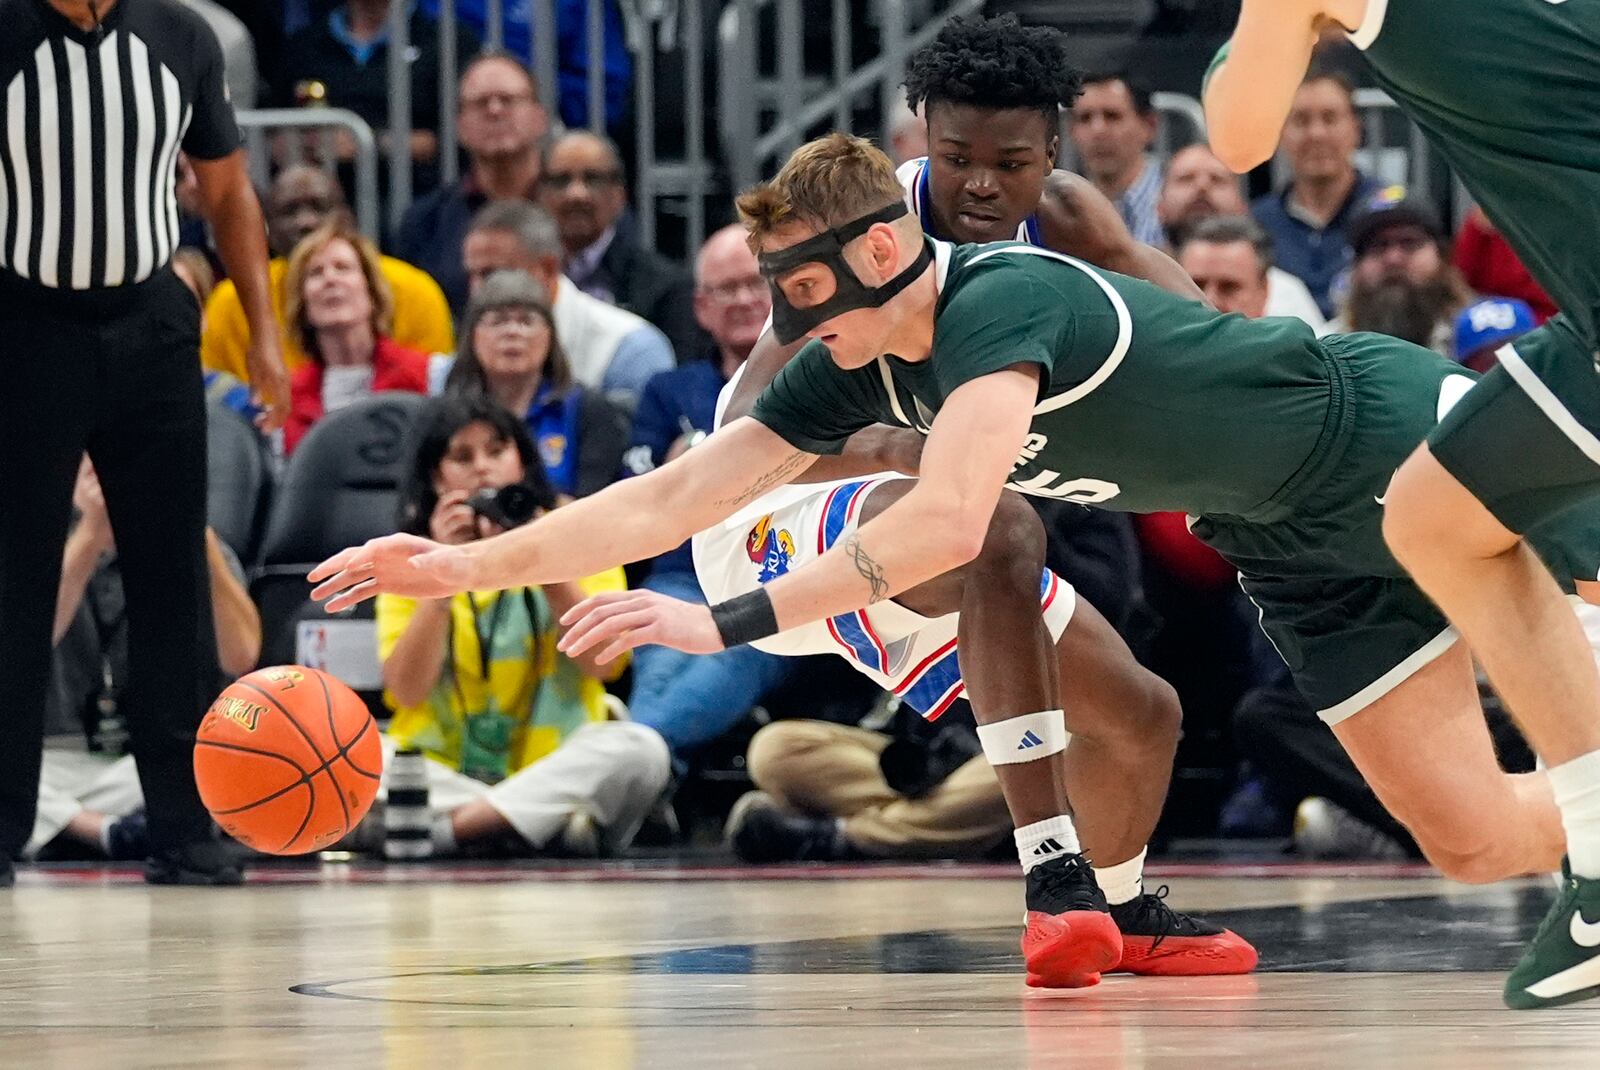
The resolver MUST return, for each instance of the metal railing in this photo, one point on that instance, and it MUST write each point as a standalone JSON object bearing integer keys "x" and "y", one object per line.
{"x": 764, "y": 114}
{"x": 297, "y": 123}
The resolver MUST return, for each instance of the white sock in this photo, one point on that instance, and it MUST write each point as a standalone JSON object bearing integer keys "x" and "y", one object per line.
{"x": 105, "y": 835}
{"x": 1123, "y": 882}
{"x": 444, "y": 835}
{"x": 1044, "y": 840}
{"x": 1576, "y": 785}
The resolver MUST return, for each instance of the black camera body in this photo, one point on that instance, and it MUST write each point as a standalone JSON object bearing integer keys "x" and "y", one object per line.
{"x": 510, "y": 506}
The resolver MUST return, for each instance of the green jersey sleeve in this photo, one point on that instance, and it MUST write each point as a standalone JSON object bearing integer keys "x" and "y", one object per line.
{"x": 815, "y": 405}
{"x": 1017, "y": 307}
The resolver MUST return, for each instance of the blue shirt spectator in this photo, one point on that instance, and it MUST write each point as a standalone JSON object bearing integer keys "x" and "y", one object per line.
{"x": 680, "y": 404}
{"x": 572, "y": 51}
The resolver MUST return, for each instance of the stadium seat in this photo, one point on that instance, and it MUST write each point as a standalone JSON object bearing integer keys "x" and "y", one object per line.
{"x": 341, "y": 488}
{"x": 238, "y": 481}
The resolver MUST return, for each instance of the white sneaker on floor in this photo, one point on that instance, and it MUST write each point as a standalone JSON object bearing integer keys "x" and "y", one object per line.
{"x": 1326, "y": 830}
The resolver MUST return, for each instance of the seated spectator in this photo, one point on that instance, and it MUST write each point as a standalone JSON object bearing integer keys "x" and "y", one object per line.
{"x": 521, "y": 755}
{"x": 500, "y": 123}
{"x": 1199, "y": 187}
{"x": 1112, "y": 126}
{"x": 1308, "y": 216}
{"x": 1490, "y": 266}
{"x": 342, "y": 61}
{"x": 1402, "y": 282}
{"x": 1484, "y": 326}
{"x": 692, "y": 699}
{"x": 582, "y": 188}
{"x": 303, "y": 198}
{"x": 339, "y": 309}
{"x": 572, "y": 52}
{"x": 95, "y": 800}
{"x": 511, "y": 354}
{"x": 611, "y": 350}
{"x": 832, "y": 792}
{"x": 1228, "y": 257}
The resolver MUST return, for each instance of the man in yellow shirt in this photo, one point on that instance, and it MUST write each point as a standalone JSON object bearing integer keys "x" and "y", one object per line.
{"x": 301, "y": 199}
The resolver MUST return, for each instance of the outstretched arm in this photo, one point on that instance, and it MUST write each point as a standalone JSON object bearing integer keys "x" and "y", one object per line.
{"x": 940, "y": 525}
{"x": 1249, "y": 93}
{"x": 1077, "y": 219}
{"x": 628, "y": 521}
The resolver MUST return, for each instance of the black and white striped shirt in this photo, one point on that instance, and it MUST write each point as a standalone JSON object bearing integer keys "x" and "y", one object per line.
{"x": 90, "y": 127}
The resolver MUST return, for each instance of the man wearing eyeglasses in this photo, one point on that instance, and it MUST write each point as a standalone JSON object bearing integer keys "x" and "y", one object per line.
{"x": 1401, "y": 282}
{"x": 582, "y": 186}
{"x": 500, "y": 122}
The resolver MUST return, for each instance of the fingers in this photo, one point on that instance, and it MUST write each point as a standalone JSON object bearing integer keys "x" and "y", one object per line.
{"x": 621, "y": 632}
{"x": 335, "y": 563}
{"x": 599, "y": 612}
{"x": 353, "y": 597}
{"x": 594, "y": 602}
{"x": 344, "y": 580}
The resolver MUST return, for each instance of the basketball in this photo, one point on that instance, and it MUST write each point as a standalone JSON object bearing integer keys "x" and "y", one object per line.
{"x": 287, "y": 760}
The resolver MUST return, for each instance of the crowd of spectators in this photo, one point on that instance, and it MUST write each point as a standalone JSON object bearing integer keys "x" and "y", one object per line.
{"x": 558, "y": 353}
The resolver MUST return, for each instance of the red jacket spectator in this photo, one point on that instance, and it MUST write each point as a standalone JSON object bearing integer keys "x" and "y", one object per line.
{"x": 1492, "y": 267}
{"x": 394, "y": 367}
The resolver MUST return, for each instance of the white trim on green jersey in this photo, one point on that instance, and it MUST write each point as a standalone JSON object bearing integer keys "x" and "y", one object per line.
{"x": 1124, "y": 326}
{"x": 1371, "y": 24}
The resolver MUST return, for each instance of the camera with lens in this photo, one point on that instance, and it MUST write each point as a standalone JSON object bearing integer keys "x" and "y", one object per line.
{"x": 512, "y": 505}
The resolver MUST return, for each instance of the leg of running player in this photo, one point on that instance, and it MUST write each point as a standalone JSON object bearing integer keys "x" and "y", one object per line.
{"x": 1425, "y": 750}
{"x": 1496, "y": 591}
{"x": 1124, "y": 723}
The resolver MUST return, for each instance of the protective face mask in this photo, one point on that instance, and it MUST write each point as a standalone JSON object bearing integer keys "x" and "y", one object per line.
{"x": 827, "y": 250}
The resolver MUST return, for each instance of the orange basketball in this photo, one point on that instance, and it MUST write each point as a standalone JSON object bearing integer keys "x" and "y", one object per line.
{"x": 287, "y": 760}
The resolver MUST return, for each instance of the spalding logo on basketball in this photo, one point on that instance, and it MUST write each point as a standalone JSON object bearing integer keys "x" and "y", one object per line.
{"x": 287, "y": 760}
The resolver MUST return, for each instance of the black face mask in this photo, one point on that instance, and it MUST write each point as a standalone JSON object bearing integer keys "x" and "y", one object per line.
{"x": 791, "y": 324}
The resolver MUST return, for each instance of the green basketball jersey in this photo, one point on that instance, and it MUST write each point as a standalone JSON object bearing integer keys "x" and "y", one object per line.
{"x": 1509, "y": 91}
{"x": 1147, "y": 401}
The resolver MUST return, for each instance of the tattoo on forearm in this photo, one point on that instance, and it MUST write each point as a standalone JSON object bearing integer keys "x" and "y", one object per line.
{"x": 796, "y": 461}
{"x": 870, "y": 570}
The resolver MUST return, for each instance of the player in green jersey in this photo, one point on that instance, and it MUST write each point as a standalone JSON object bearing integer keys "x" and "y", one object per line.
{"x": 1035, "y": 371}
{"x": 1509, "y": 91}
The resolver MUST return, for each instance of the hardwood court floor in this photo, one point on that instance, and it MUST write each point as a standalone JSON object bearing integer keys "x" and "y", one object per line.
{"x": 903, "y": 966}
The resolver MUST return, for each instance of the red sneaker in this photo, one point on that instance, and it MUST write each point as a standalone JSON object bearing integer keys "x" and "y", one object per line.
{"x": 1069, "y": 938}
{"x": 1157, "y": 941}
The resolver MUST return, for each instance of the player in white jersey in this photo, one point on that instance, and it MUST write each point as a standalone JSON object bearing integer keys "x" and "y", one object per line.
{"x": 991, "y": 90}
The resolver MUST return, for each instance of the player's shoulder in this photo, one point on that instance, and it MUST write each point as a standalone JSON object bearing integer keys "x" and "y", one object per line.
{"x": 907, "y": 172}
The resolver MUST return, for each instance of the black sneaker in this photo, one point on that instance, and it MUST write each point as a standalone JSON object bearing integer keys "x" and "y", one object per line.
{"x": 1069, "y": 937}
{"x": 128, "y": 838}
{"x": 204, "y": 863}
{"x": 759, "y": 831}
{"x": 1159, "y": 941}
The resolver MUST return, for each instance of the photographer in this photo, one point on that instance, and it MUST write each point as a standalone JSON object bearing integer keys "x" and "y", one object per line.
{"x": 521, "y": 756}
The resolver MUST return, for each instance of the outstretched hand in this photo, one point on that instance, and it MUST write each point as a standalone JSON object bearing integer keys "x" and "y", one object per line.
{"x": 407, "y": 565}
{"x": 618, "y": 621}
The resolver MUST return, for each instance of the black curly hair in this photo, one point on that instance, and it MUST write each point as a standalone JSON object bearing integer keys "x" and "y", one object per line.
{"x": 994, "y": 63}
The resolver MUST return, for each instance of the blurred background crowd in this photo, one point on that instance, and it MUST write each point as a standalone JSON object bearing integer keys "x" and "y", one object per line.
{"x": 504, "y": 258}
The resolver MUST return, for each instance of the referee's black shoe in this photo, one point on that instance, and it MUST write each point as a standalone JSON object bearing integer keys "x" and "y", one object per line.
{"x": 204, "y": 863}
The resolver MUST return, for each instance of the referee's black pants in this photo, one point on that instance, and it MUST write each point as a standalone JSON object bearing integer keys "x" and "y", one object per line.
{"x": 116, "y": 373}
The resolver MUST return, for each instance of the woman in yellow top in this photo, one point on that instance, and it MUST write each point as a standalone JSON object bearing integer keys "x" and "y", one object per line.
{"x": 520, "y": 749}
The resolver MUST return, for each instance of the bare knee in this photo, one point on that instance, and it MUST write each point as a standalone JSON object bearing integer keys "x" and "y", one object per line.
{"x": 777, "y": 750}
{"x": 1013, "y": 551}
{"x": 1429, "y": 516}
{"x": 1478, "y": 865}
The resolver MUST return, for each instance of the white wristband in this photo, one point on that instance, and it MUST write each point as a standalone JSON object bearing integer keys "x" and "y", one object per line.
{"x": 1026, "y": 738}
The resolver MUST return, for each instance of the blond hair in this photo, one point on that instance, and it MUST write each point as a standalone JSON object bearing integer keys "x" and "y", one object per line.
{"x": 824, "y": 184}
{"x": 294, "y": 303}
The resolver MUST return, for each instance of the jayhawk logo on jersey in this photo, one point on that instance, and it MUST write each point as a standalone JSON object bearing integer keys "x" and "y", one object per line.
{"x": 771, "y": 548}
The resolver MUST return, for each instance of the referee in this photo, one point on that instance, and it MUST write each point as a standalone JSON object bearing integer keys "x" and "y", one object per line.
{"x": 99, "y": 351}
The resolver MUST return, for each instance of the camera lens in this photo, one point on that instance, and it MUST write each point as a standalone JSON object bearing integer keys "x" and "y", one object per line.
{"x": 517, "y": 504}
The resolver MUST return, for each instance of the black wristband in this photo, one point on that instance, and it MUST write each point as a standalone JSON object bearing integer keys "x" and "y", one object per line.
{"x": 745, "y": 618}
